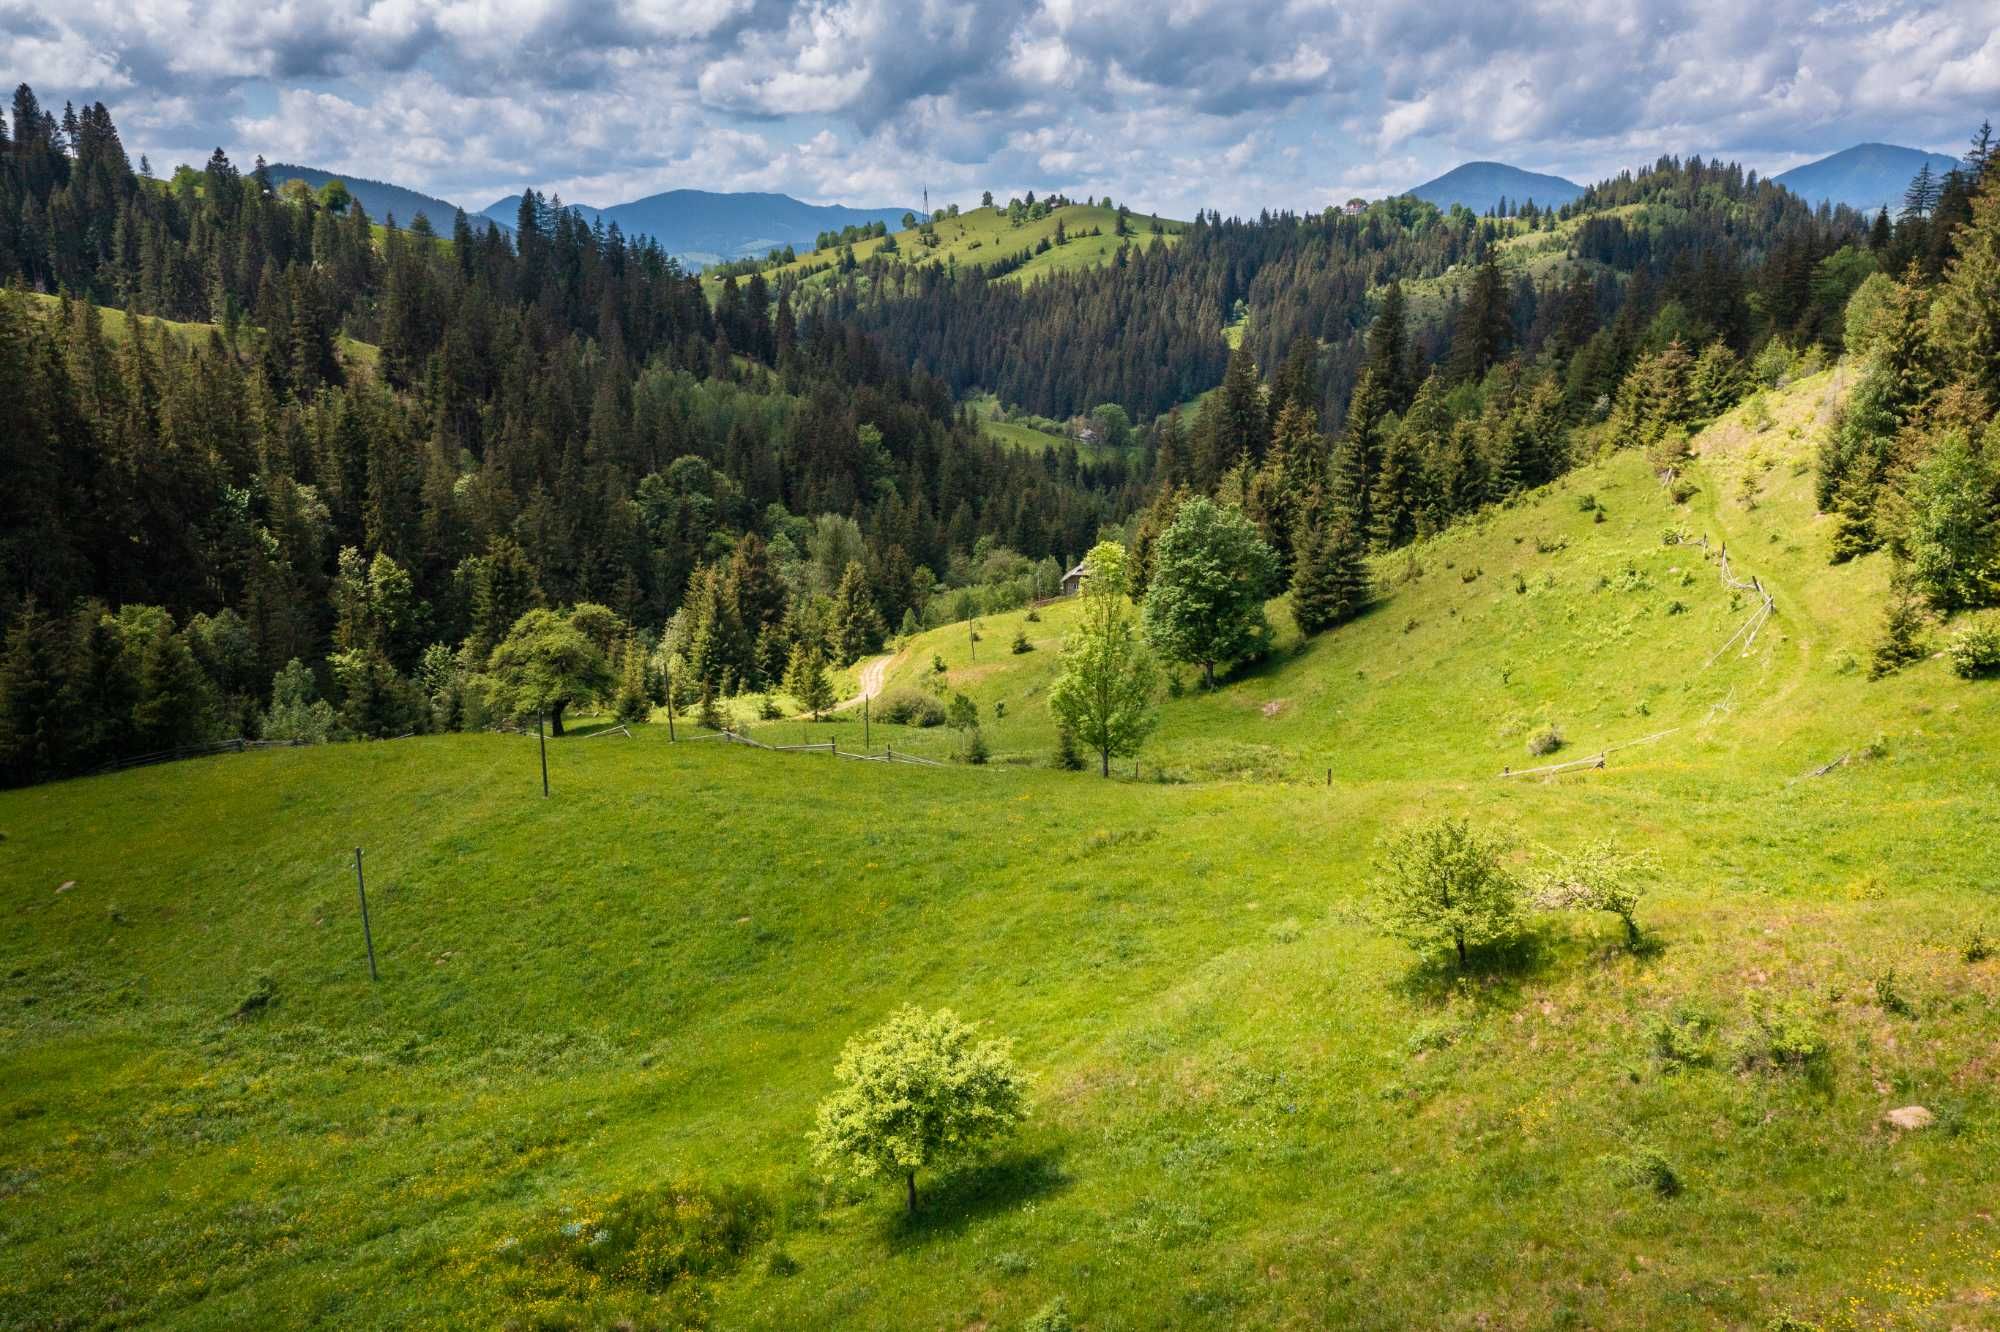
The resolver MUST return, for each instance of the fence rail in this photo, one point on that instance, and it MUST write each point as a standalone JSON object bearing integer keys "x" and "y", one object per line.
{"x": 233, "y": 746}
{"x": 887, "y": 754}
{"x": 1589, "y": 761}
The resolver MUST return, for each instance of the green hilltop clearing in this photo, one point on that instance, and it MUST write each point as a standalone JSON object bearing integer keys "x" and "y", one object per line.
{"x": 118, "y": 328}
{"x": 580, "y": 1093}
{"x": 982, "y": 237}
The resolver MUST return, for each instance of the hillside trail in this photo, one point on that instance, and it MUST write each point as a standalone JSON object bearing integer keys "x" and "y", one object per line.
{"x": 1803, "y": 628}
{"x": 873, "y": 672}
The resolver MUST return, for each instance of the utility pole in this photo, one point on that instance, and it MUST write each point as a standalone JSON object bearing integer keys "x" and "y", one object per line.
{"x": 367, "y": 935}
{"x": 670, "y": 708}
{"x": 543, "y": 740}
{"x": 864, "y": 723}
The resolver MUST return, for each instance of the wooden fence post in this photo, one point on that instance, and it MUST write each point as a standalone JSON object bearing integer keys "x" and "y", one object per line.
{"x": 367, "y": 935}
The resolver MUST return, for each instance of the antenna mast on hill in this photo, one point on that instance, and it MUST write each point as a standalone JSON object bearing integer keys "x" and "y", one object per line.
{"x": 927, "y": 201}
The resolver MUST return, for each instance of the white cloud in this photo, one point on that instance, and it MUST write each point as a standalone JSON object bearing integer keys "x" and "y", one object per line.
{"x": 1172, "y": 105}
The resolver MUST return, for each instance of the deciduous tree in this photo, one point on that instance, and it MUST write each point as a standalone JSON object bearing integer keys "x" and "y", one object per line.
{"x": 920, "y": 1092}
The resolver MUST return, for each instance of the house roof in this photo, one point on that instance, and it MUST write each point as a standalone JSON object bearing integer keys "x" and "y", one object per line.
{"x": 1078, "y": 572}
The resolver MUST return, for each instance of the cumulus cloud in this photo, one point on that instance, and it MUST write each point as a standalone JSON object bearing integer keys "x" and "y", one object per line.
{"x": 1171, "y": 104}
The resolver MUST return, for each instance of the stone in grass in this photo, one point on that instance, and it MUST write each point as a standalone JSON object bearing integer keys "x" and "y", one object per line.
{"x": 1910, "y": 1117}
{"x": 66, "y": 885}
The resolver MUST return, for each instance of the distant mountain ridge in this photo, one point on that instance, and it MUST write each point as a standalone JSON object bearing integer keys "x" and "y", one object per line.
{"x": 381, "y": 198}
{"x": 706, "y": 227}
{"x": 1481, "y": 185}
{"x": 1868, "y": 176}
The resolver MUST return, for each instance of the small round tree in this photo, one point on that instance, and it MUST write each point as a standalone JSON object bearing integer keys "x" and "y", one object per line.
{"x": 920, "y": 1092}
{"x": 1599, "y": 876}
{"x": 1442, "y": 884}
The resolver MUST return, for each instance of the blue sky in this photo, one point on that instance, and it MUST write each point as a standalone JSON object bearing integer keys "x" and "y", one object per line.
{"x": 1169, "y": 104}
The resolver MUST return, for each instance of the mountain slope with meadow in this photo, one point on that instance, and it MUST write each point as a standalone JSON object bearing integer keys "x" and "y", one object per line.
{"x": 580, "y": 1090}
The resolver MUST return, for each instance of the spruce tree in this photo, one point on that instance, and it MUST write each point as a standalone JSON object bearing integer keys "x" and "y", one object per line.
{"x": 1388, "y": 354}
{"x": 1965, "y": 316}
{"x": 857, "y": 625}
{"x": 1330, "y": 586}
{"x": 806, "y": 679}
{"x": 1484, "y": 329}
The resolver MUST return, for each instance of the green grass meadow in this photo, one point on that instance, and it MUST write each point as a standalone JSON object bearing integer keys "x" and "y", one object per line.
{"x": 578, "y": 1095}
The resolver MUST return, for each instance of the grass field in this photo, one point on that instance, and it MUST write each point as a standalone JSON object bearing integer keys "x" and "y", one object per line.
{"x": 604, "y": 1018}
{"x": 980, "y": 236}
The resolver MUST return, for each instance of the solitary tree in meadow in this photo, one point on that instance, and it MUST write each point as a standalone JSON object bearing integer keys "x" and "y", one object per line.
{"x": 1210, "y": 574}
{"x": 920, "y": 1092}
{"x": 1104, "y": 696}
{"x": 1441, "y": 884}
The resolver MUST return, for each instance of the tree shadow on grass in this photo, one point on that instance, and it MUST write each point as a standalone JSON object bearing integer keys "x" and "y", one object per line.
{"x": 1492, "y": 976}
{"x": 947, "y": 1204}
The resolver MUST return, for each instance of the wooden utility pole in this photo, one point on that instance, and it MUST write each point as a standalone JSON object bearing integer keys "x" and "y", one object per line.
{"x": 367, "y": 935}
{"x": 864, "y": 723}
{"x": 543, "y": 740}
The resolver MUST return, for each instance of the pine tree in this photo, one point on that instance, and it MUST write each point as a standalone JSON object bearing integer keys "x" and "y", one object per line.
{"x": 1388, "y": 353}
{"x": 633, "y": 703}
{"x": 174, "y": 696}
{"x": 1965, "y": 315}
{"x": 857, "y": 624}
{"x": 30, "y": 733}
{"x": 1922, "y": 194}
{"x": 1331, "y": 584}
{"x": 1979, "y": 158}
{"x": 806, "y": 679}
{"x": 1484, "y": 329}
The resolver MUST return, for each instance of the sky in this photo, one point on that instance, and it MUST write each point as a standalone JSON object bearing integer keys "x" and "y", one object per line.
{"x": 1169, "y": 105}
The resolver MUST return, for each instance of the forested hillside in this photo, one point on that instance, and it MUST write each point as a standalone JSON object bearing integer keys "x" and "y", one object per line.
{"x": 406, "y": 480}
{"x": 555, "y": 418}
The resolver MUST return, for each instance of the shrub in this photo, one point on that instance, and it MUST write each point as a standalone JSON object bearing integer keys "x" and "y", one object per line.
{"x": 1646, "y": 1167}
{"x": 1021, "y": 643}
{"x": 1067, "y": 756}
{"x": 907, "y": 707}
{"x": 1051, "y": 1317}
{"x": 1545, "y": 741}
{"x": 1683, "y": 1039}
{"x": 652, "y": 1240}
{"x": 768, "y": 710}
{"x": 1978, "y": 947}
{"x": 973, "y": 748}
{"x": 711, "y": 715}
{"x": 937, "y": 664}
{"x": 1440, "y": 884}
{"x": 1902, "y": 636}
{"x": 1890, "y": 998}
{"x": 1785, "y": 1036}
{"x": 1975, "y": 650}
{"x": 1033, "y": 616}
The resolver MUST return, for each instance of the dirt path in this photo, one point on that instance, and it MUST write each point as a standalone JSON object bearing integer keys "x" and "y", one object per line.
{"x": 873, "y": 672}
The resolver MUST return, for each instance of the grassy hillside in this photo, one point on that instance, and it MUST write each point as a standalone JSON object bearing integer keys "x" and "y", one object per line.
{"x": 981, "y": 236}
{"x": 604, "y": 1018}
